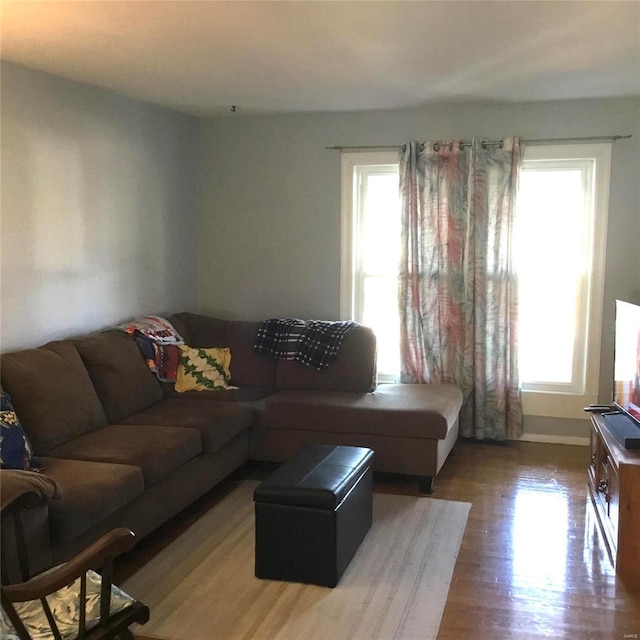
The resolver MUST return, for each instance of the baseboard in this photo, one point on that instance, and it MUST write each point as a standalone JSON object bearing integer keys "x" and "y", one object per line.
{"x": 582, "y": 441}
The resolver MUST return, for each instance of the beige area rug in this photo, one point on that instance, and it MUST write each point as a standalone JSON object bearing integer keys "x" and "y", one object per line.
{"x": 202, "y": 586}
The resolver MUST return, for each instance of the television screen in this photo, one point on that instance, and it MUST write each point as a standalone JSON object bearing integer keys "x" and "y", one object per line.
{"x": 626, "y": 385}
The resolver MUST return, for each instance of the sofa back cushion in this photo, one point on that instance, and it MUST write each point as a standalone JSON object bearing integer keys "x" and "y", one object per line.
{"x": 354, "y": 369}
{"x": 123, "y": 381}
{"x": 198, "y": 330}
{"x": 248, "y": 368}
{"x": 52, "y": 393}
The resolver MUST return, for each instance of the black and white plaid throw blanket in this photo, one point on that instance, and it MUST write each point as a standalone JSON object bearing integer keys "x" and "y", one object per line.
{"x": 315, "y": 343}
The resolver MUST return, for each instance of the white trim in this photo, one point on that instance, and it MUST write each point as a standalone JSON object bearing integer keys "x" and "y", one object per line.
{"x": 346, "y": 236}
{"x": 556, "y": 404}
{"x": 356, "y": 167}
{"x": 581, "y": 441}
{"x": 350, "y": 160}
{"x": 547, "y": 402}
{"x": 602, "y": 155}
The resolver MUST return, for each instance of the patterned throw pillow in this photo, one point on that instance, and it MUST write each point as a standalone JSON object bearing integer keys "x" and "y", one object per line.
{"x": 15, "y": 448}
{"x": 203, "y": 369}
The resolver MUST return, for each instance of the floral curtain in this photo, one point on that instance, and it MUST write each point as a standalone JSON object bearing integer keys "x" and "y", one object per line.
{"x": 458, "y": 287}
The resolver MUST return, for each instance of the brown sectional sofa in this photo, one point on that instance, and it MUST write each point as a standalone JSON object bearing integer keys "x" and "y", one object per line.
{"x": 126, "y": 450}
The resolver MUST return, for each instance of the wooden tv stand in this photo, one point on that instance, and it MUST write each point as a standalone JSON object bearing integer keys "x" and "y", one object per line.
{"x": 614, "y": 487}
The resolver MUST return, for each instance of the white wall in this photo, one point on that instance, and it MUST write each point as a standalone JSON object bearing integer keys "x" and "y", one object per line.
{"x": 98, "y": 218}
{"x": 269, "y": 202}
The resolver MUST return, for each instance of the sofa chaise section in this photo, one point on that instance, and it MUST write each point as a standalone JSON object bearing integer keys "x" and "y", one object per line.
{"x": 412, "y": 428}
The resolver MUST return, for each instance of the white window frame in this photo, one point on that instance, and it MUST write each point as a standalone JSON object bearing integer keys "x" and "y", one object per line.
{"x": 536, "y": 400}
{"x": 350, "y": 297}
{"x": 551, "y": 400}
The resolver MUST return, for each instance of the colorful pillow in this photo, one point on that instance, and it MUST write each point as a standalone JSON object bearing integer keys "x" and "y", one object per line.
{"x": 15, "y": 448}
{"x": 203, "y": 369}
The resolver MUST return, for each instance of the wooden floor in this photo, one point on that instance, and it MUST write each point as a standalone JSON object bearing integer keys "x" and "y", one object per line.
{"x": 532, "y": 563}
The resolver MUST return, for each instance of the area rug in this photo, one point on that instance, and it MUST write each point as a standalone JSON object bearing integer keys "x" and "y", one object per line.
{"x": 202, "y": 586}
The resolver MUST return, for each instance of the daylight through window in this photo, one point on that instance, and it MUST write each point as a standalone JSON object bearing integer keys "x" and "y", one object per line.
{"x": 372, "y": 254}
{"x": 559, "y": 252}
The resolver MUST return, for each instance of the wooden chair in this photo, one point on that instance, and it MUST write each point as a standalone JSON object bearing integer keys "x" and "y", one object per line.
{"x": 75, "y": 600}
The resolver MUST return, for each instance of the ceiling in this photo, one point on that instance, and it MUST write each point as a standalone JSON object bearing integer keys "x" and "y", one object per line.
{"x": 204, "y": 57}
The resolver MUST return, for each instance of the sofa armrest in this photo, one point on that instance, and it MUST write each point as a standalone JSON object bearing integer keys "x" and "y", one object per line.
{"x": 15, "y": 483}
{"x": 25, "y": 520}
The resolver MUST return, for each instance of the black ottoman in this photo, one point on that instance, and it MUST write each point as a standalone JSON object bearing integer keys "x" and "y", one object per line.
{"x": 312, "y": 514}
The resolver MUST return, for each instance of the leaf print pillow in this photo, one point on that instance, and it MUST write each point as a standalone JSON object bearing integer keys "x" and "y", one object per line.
{"x": 203, "y": 369}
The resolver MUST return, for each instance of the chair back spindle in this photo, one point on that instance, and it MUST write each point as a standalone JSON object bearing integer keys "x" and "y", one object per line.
{"x": 72, "y": 582}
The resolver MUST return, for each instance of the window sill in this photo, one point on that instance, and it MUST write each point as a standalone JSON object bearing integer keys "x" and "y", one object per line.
{"x": 556, "y": 405}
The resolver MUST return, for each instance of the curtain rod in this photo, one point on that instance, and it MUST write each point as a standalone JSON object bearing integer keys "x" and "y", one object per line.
{"x": 466, "y": 144}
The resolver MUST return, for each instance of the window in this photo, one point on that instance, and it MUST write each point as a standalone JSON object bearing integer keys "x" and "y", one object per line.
{"x": 371, "y": 251}
{"x": 560, "y": 237}
{"x": 560, "y": 240}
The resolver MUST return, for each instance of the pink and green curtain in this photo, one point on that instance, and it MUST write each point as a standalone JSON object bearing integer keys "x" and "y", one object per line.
{"x": 458, "y": 287}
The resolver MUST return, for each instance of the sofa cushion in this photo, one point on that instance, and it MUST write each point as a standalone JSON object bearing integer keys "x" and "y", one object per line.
{"x": 218, "y": 422}
{"x": 119, "y": 373}
{"x": 353, "y": 370}
{"x": 88, "y": 492}
{"x": 199, "y": 330}
{"x": 203, "y": 369}
{"x": 247, "y": 395}
{"x": 157, "y": 450}
{"x": 248, "y": 368}
{"x": 400, "y": 410}
{"x": 52, "y": 393}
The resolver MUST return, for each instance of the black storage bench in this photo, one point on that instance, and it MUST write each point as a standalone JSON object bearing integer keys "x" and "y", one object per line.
{"x": 312, "y": 514}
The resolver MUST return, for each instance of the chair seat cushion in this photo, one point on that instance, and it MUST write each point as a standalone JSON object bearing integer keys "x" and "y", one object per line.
{"x": 156, "y": 449}
{"x": 217, "y": 422}
{"x": 87, "y": 493}
{"x": 64, "y": 605}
